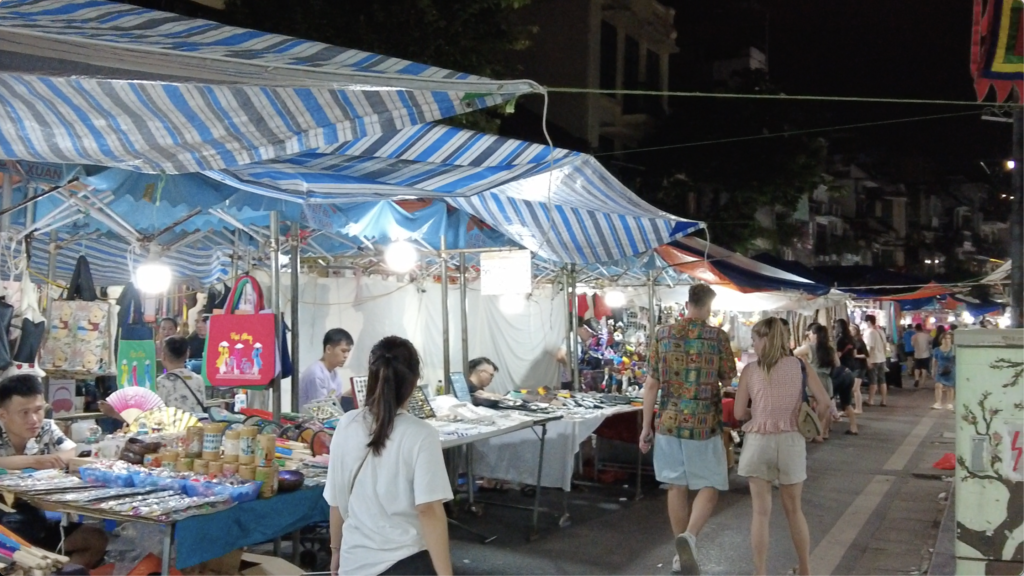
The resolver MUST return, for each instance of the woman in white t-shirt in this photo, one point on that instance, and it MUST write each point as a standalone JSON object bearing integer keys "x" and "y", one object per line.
{"x": 386, "y": 480}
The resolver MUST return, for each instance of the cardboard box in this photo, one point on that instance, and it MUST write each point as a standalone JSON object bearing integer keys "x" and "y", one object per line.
{"x": 259, "y": 565}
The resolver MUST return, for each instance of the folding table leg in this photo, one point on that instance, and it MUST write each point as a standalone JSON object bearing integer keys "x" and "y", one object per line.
{"x": 540, "y": 471}
{"x": 165, "y": 562}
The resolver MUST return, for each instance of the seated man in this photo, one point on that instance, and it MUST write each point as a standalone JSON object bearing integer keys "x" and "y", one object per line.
{"x": 320, "y": 379}
{"x": 481, "y": 374}
{"x": 29, "y": 441}
{"x": 180, "y": 387}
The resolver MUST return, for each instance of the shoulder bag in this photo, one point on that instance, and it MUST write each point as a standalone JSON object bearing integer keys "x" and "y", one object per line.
{"x": 807, "y": 420}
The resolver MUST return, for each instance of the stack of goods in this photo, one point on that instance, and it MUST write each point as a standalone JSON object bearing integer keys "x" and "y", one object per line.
{"x": 19, "y": 558}
{"x": 168, "y": 476}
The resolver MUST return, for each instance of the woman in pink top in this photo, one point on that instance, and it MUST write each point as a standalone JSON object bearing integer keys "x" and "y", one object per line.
{"x": 773, "y": 448}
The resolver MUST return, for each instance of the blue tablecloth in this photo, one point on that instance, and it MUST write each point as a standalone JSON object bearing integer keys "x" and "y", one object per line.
{"x": 201, "y": 538}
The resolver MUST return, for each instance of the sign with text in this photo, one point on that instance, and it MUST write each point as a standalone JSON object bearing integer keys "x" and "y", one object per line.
{"x": 506, "y": 273}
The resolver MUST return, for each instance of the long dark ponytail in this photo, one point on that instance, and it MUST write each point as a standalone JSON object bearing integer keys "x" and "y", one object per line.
{"x": 394, "y": 373}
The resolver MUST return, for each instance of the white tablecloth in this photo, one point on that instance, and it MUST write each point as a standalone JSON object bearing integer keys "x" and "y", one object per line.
{"x": 513, "y": 457}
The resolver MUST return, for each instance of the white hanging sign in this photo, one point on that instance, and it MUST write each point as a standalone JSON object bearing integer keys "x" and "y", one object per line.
{"x": 506, "y": 273}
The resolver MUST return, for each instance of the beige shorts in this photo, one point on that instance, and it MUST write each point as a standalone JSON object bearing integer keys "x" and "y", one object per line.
{"x": 772, "y": 457}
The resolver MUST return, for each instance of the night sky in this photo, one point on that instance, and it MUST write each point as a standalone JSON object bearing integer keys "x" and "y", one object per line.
{"x": 870, "y": 48}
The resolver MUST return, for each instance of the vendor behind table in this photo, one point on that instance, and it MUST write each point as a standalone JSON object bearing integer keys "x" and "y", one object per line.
{"x": 320, "y": 379}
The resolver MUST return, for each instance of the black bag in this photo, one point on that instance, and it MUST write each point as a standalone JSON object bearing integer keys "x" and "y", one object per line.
{"x": 30, "y": 341}
{"x": 131, "y": 316}
{"x": 81, "y": 286}
{"x": 6, "y": 315}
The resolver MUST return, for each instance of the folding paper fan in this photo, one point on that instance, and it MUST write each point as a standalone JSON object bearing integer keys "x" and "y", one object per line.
{"x": 133, "y": 401}
{"x": 166, "y": 419}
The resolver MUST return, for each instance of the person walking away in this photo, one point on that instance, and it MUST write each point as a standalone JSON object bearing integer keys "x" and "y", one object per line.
{"x": 922, "y": 354}
{"x": 860, "y": 370}
{"x": 689, "y": 362}
{"x": 908, "y": 346}
{"x": 944, "y": 369}
{"x": 773, "y": 448}
{"x": 846, "y": 381}
{"x": 937, "y": 339}
{"x": 875, "y": 342}
{"x": 386, "y": 478}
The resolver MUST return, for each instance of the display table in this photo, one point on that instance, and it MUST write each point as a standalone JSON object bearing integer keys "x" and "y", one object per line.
{"x": 510, "y": 457}
{"x": 205, "y": 537}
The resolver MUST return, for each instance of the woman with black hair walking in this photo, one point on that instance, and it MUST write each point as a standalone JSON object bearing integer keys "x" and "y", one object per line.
{"x": 386, "y": 480}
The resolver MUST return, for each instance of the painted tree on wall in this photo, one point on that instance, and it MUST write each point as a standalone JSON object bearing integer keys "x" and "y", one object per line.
{"x": 992, "y": 543}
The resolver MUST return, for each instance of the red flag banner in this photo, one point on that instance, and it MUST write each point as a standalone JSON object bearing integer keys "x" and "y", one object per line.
{"x": 997, "y": 48}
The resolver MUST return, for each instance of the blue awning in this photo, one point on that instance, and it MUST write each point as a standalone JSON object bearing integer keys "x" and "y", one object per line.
{"x": 96, "y": 82}
{"x": 560, "y": 204}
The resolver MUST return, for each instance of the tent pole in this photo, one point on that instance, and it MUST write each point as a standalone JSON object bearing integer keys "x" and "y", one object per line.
{"x": 574, "y": 322}
{"x": 652, "y": 326}
{"x": 234, "y": 254}
{"x": 296, "y": 229}
{"x": 275, "y": 302}
{"x": 444, "y": 316}
{"x": 567, "y": 308}
{"x": 51, "y": 269}
{"x": 464, "y": 312}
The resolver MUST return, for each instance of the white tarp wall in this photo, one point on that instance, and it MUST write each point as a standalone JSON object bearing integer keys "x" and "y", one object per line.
{"x": 522, "y": 345}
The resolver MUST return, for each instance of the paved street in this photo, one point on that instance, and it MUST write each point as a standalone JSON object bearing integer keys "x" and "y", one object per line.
{"x": 872, "y": 503}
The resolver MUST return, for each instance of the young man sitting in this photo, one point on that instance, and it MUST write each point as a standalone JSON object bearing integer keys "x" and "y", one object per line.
{"x": 29, "y": 441}
{"x": 180, "y": 387}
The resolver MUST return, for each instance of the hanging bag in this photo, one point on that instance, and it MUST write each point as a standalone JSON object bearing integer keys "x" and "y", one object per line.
{"x": 82, "y": 328}
{"x": 136, "y": 351}
{"x": 241, "y": 348}
{"x": 807, "y": 420}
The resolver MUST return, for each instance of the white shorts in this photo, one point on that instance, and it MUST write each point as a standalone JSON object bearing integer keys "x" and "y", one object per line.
{"x": 695, "y": 464}
{"x": 772, "y": 457}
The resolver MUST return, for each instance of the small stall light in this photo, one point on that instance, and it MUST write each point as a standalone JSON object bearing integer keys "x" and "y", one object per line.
{"x": 401, "y": 257}
{"x": 1004, "y": 322}
{"x": 1010, "y": 164}
{"x": 931, "y": 320}
{"x": 153, "y": 277}
{"x": 512, "y": 303}
{"x": 967, "y": 318}
{"x": 614, "y": 299}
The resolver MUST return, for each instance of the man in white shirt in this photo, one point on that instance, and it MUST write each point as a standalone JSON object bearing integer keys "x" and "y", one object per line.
{"x": 320, "y": 379}
{"x": 875, "y": 342}
{"x": 922, "y": 343}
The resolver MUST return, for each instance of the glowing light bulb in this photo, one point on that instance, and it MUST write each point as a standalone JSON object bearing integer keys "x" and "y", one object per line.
{"x": 401, "y": 257}
{"x": 614, "y": 299}
{"x": 153, "y": 277}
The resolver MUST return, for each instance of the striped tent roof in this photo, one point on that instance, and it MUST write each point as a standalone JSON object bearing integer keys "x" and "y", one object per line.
{"x": 108, "y": 260}
{"x": 96, "y": 82}
{"x": 560, "y": 204}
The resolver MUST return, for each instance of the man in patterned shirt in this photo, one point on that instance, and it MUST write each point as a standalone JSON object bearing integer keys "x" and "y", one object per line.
{"x": 30, "y": 441}
{"x": 689, "y": 361}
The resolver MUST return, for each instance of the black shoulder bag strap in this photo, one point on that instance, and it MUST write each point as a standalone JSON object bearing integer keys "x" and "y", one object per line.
{"x": 201, "y": 403}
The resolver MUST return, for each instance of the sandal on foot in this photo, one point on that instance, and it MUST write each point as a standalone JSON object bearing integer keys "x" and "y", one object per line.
{"x": 851, "y": 433}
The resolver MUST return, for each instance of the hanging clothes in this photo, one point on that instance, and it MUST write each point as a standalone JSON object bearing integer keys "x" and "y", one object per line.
{"x": 582, "y": 307}
{"x": 601, "y": 310}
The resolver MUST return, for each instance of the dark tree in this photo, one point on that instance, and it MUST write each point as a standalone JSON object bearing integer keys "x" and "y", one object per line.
{"x": 733, "y": 177}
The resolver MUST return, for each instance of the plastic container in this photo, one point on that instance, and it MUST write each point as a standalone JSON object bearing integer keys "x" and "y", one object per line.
{"x": 108, "y": 478}
{"x": 238, "y": 494}
{"x": 143, "y": 480}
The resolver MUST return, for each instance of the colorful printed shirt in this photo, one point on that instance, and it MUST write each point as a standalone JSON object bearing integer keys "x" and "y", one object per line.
{"x": 50, "y": 440}
{"x": 690, "y": 359}
{"x": 184, "y": 389}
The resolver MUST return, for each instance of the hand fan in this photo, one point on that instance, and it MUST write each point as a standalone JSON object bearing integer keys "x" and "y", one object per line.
{"x": 132, "y": 401}
{"x": 167, "y": 419}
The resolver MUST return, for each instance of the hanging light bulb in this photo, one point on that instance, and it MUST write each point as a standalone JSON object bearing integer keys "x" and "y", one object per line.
{"x": 153, "y": 276}
{"x": 401, "y": 256}
{"x": 512, "y": 303}
{"x": 966, "y": 317}
{"x": 614, "y": 299}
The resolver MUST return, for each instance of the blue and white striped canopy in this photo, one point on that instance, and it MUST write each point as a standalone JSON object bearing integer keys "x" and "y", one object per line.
{"x": 108, "y": 261}
{"x": 96, "y": 82}
{"x": 560, "y": 204}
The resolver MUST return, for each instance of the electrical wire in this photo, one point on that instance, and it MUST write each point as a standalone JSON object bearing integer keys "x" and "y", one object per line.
{"x": 789, "y": 133}
{"x": 776, "y": 97}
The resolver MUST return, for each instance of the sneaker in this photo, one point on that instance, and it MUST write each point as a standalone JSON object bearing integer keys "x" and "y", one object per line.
{"x": 936, "y": 406}
{"x": 950, "y": 407}
{"x": 686, "y": 548}
{"x": 675, "y": 565}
